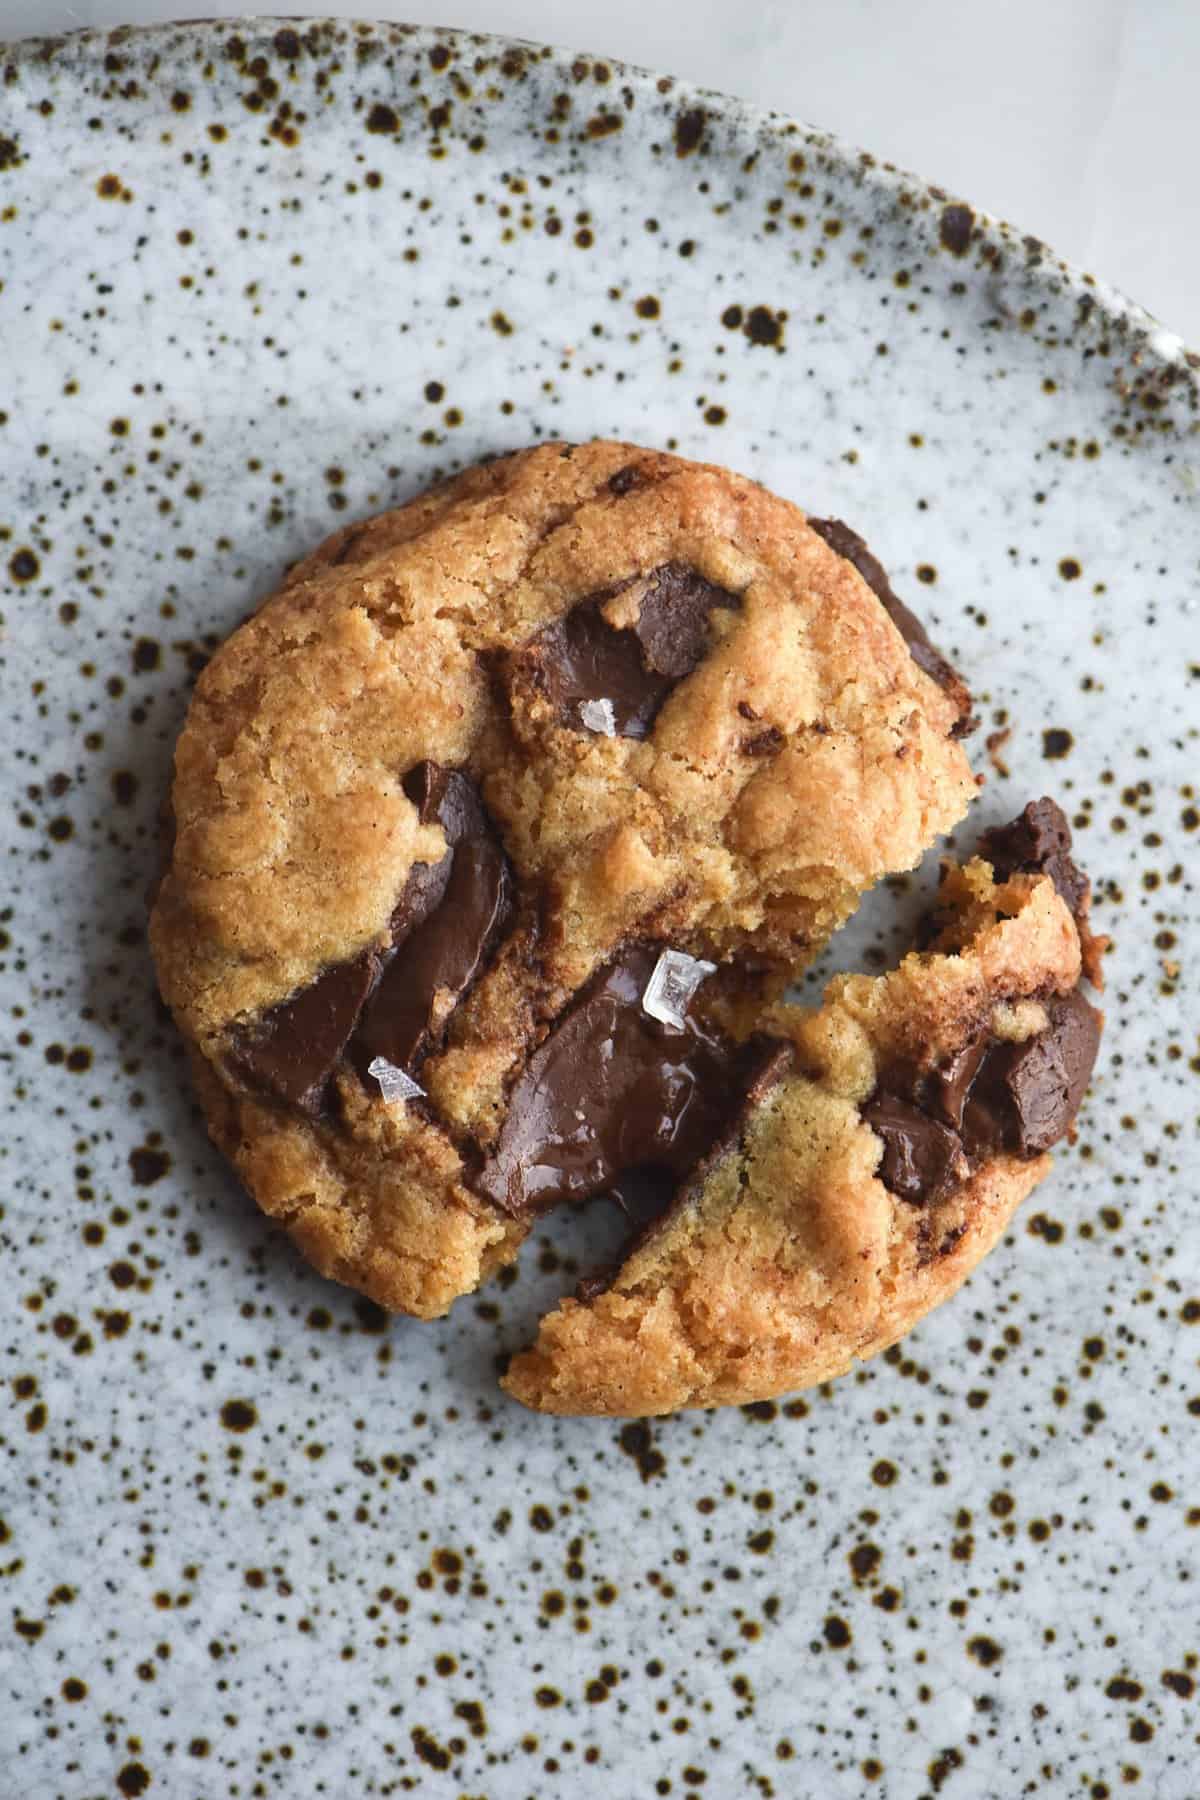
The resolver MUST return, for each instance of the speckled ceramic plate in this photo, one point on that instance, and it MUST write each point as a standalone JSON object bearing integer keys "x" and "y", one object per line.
{"x": 257, "y": 1540}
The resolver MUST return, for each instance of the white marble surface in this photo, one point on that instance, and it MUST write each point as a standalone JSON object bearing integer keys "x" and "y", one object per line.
{"x": 1070, "y": 118}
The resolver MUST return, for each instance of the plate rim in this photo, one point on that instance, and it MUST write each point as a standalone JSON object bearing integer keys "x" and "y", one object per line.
{"x": 1147, "y": 337}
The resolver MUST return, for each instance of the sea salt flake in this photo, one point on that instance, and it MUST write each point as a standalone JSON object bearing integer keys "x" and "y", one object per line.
{"x": 394, "y": 1084}
{"x": 598, "y": 716}
{"x": 669, "y": 990}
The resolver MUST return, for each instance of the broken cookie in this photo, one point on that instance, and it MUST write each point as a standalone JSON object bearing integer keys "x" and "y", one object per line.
{"x": 498, "y": 831}
{"x": 862, "y": 1186}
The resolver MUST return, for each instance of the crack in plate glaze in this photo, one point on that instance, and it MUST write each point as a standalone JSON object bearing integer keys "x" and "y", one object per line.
{"x": 257, "y": 280}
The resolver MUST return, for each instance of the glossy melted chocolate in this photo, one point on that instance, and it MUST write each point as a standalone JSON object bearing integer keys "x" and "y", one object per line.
{"x": 613, "y": 1093}
{"x": 582, "y": 657}
{"x": 992, "y": 1098}
{"x": 448, "y": 919}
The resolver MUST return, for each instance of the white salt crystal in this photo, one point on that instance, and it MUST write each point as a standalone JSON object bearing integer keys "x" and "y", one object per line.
{"x": 394, "y": 1084}
{"x": 598, "y": 716}
{"x": 675, "y": 979}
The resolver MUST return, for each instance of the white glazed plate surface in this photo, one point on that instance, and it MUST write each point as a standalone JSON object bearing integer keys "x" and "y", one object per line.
{"x": 255, "y": 283}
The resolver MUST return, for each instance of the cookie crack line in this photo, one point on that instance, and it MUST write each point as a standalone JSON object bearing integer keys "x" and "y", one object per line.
{"x": 592, "y": 686}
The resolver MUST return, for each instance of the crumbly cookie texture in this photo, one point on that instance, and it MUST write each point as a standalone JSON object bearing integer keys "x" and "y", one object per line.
{"x": 580, "y": 697}
{"x": 846, "y": 1211}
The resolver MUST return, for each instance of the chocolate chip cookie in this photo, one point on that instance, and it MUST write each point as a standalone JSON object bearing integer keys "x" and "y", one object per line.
{"x": 875, "y": 1156}
{"x": 446, "y": 808}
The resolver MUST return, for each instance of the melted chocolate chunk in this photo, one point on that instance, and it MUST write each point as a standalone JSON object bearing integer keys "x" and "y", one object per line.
{"x": 611, "y": 1091}
{"x": 446, "y": 798}
{"x": 846, "y": 543}
{"x": 448, "y": 918}
{"x": 922, "y": 1160}
{"x": 991, "y": 1098}
{"x": 439, "y": 959}
{"x": 1026, "y": 1096}
{"x": 643, "y": 1196}
{"x": 939, "y": 1089}
{"x": 672, "y": 625}
{"x": 950, "y": 1082}
{"x": 292, "y": 1049}
{"x": 1038, "y": 843}
{"x": 582, "y": 657}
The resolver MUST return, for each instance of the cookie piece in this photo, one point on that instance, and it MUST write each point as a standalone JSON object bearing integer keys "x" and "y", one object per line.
{"x": 859, "y": 1187}
{"x": 579, "y": 704}
{"x": 1039, "y": 842}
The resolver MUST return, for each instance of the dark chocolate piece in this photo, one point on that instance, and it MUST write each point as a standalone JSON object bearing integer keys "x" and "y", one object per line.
{"x": 1026, "y": 1096}
{"x": 922, "y": 1159}
{"x": 766, "y": 743}
{"x": 1038, "y": 843}
{"x": 441, "y": 956}
{"x": 626, "y": 479}
{"x": 610, "y": 1089}
{"x": 940, "y": 1089}
{"x": 613, "y": 1090}
{"x": 991, "y": 1098}
{"x": 449, "y": 799}
{"x": 292, "y": 1049}
{"x": 846, "y": 543}
{"x": 450, "y": 916}
{"x": 672, "y": 625}
{"x": 446, "y": 921}
{"x": 581, "y": 657}
{"x": 950, "y": 1083}
{"x": 643, "y": 1195}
